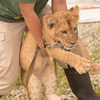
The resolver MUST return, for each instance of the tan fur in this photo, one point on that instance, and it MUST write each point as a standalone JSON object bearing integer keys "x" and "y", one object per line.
{"x": 80, "y": 49}
{"x": 44, "y": 71}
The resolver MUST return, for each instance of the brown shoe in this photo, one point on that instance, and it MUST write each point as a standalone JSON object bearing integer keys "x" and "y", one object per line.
{"x": 0, "y": 96}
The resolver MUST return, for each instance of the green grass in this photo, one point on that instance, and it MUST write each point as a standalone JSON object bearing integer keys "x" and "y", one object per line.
{"x": 96, "y": 55}
{"x": 19, "y": 80}
{"x": 97, "y": 89}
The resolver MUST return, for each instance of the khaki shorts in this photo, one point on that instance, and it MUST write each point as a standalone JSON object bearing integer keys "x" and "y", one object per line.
{"x": 10, "y": 42}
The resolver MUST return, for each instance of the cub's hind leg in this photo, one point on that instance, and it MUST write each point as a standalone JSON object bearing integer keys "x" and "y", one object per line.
{"x": 48, "y": 79}
{"x": 34, "y": 86}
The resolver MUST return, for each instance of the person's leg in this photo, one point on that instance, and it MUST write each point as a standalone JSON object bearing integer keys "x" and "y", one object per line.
{"x": 10, "y": 42}
{"x": 81, "y": 85}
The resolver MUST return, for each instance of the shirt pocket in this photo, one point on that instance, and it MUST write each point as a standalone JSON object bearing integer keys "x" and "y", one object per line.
{"x": 3, "y": 58}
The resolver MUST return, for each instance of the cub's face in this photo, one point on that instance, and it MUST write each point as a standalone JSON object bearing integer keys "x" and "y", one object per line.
{"x": 63, "y": 26}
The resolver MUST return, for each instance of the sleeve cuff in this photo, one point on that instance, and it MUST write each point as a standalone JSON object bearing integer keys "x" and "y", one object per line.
{"x": 27, "y": 1}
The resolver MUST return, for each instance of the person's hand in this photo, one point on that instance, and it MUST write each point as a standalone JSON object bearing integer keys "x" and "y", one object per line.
{"x": 44, "y": 52}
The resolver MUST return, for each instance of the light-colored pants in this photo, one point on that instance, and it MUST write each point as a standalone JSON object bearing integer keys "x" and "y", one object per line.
{"x": 10, "y": 42}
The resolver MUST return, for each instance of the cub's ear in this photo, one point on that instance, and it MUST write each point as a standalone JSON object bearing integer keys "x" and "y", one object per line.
{"x": 75, "y": 11}
{"x": 71, "y": 9}
{"x": 50, "y": 21}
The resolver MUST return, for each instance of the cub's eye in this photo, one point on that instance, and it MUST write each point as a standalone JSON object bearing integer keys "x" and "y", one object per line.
{"x": 75, "y": 28}
{"x": 64, "y": 32}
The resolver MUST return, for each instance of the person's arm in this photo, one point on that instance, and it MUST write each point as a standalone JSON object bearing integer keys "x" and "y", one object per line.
{"x": 33, "y": 23}
{"x": 59, "y": 5}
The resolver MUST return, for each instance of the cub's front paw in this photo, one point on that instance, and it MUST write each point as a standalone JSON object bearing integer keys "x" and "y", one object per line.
{"x": 83, "y": 65}
{"x": 94, "y": 68}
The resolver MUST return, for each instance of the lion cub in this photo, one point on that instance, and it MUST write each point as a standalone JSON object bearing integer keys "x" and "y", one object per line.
{"x": 62, "y": 27}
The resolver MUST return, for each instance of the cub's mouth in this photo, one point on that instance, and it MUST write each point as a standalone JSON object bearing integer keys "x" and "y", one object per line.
{"x": 63, "y": 46}
{"x": 67, "y": 48}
